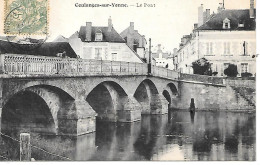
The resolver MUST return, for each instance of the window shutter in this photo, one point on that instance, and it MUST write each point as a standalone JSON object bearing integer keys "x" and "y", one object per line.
{"x": 211, "y": 48}
{"x": 225, "y": 48}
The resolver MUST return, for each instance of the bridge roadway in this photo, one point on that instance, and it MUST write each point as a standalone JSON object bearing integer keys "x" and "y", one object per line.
{"x": 65, "y": 96}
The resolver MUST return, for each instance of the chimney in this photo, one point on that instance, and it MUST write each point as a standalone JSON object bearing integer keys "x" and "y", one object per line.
{"x": 144, "y": 41}
{"x": 195, "y": 26}
{"x": 221, "y": 7}
{"x": 110, "y": 25}
{"x": 175, "y": 51}
{"x": 159, "y": 46}
{"x": 200, "y": 15}
{"x": 140, "y": 42}
{"x": 88, "y": 31}
{"x": 204, "y": 17}
{"x": 207, "y": 14}
{"x": 252, "y": 9}
{"x": 131, "y": 29}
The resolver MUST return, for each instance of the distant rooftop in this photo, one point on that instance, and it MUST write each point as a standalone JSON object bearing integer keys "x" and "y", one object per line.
{"x": 108, "y": 36}
{"x": 45, "y": 49}
{"x": 236, "y": 17}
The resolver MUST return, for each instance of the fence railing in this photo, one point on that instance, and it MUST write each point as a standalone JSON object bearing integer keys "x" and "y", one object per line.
{"x": 164, "y": 72}
{"x": 40, "y": 65}
{"x": 201, "y": 78}
{"x": 17, "y": 64}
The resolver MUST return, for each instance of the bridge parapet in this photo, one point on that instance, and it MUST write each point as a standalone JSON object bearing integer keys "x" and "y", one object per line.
{"x": 29, "y": 65}
{"x": 14, "y": 64}
{"x": 202, "y": 78}
{"x": 164, "y": 72}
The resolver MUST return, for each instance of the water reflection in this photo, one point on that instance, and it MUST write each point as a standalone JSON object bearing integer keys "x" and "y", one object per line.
{"x": 176, "y": 136}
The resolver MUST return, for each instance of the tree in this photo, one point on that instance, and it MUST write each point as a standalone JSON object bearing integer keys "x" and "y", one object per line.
{"x": 202, "y": 67}
{"x": 231, "y": 70}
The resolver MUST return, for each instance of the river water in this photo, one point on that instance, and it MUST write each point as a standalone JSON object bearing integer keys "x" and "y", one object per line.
{"x": 176, "y": 136}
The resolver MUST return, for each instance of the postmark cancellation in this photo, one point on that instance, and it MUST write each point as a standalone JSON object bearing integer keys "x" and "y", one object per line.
{"x": 26, "y": 17}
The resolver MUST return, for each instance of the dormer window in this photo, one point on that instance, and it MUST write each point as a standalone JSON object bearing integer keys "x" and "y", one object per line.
{"x": 241, "y": 24}
{"x": 226, "y": 23}
{"x": 99, "y": 36}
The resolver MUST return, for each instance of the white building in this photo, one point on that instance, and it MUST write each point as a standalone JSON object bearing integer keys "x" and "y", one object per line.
{"x": 163, "y": 59}
{"x": 228, "y": 37}
{"x": 101, "y": 43}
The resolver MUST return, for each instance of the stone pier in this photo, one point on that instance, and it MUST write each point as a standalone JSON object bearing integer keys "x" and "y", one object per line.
{"x": 131, "y": 111}
{"x": 159, "y": 104}
{"x": 79, "y": 119}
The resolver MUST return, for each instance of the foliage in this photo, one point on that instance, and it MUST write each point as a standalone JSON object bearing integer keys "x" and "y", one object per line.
{"x": 214, "y": 73}
{"x": 231, "y": 70}
{"x": 202, "y": 67}
{"x": 246, "y": 74}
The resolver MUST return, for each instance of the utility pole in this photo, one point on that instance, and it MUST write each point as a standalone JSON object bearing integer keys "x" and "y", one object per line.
{"x": 150, "y": 58}
{"x": 244, "y": 45}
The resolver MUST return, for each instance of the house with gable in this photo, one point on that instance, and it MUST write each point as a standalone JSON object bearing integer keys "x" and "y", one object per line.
{"x": 135, "y": 41}
{"x": 226, "y": 37}
{"x": 102, "y": 43}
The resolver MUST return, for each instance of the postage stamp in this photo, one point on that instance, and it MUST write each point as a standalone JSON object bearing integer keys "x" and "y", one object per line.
{"x": 26, "y": 17}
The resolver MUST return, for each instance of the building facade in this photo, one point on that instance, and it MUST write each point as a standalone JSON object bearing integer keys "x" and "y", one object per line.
{"x": 135, "y": 41}
{"x": 102, "y": 43}
{"x": 162, "y": 58}
{"x": 228, "y": 37}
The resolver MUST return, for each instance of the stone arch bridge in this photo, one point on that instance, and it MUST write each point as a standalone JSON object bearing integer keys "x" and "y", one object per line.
{"x": 65, "y": 97}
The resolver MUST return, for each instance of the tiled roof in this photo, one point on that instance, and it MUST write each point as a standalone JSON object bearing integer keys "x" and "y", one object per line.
{"x": 60, "y": 38}
{"x": 136, "y": 35}
{"x": 46, "y": 49}
{"x": 235, "y": 17}
{"x": 108, "y": 36}
{"x": 74, "y": 35}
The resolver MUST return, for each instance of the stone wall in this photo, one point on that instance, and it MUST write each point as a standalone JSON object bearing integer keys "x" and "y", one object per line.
{"x": 241, "y": 83}
{"x": 201, "y": 78}
{"x": 211, "y": 97}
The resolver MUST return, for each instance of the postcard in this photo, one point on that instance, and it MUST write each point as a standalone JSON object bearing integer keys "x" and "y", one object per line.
{"x": 128, "y": 80}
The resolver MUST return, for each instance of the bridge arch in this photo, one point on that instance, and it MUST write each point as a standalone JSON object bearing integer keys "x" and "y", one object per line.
{"x": 170, "y": 92}
{"x": 107, "y": 99}
{"x": 167, "y": 95}
{"x": 36, "y": 108}
{"x": 173, "y": 89}
{"x": 148, "y": 96}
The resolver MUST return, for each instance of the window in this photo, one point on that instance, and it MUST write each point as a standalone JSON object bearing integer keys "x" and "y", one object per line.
{"x": 225, "y": 67}
{"x": 214, "y": 67}
{"x": 106, "y": 53}
{"x": 241, "y": 24}
{"x": 244, "y": 67}
{"x": 98, "y": 53}
{"x": 226, "y": 48}
{"x": 114, "y": 56}
{"x": 98, "y": 36}
{"x": 226, "y": 23}
{"x": 209, "y": 48}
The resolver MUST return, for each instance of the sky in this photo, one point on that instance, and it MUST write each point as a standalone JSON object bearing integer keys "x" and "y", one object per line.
{"x": 165, "y": 23}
